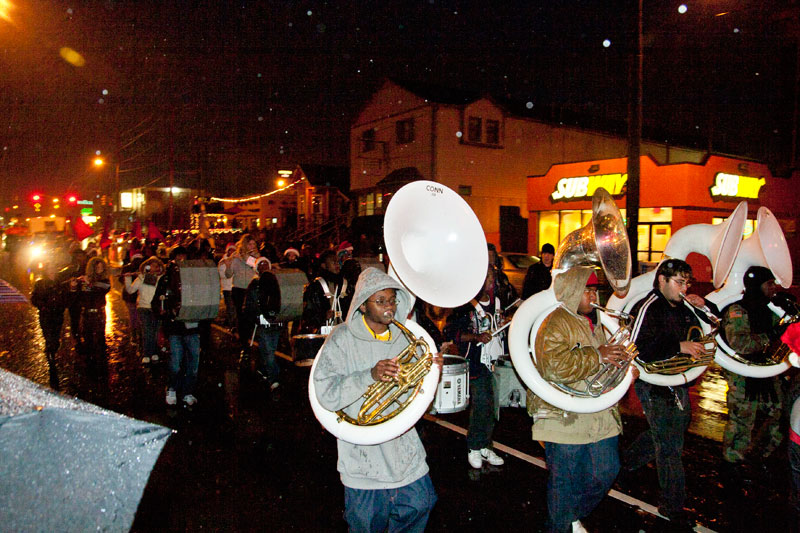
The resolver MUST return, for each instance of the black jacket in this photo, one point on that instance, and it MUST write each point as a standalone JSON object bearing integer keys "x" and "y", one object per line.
{"x": 263, "y": 297}
{"x": 130, "y": 268}
{"x": 49, "y": 296}
{"x": 315, "y": 304}
{"x": 537, "y": 279}
{"x": 660, "y": 327}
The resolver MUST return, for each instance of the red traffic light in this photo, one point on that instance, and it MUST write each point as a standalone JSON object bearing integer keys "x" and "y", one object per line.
{"x": 36, "y": 197}
{"x": 72, "y": 199}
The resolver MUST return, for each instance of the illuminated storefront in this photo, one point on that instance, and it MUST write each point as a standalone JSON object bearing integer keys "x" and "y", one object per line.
{"x": 672, "y": 196}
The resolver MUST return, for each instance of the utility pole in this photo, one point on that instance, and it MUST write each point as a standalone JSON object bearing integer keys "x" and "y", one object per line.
{"x": 634, "y": 145}
{"x": 171, "y": 140}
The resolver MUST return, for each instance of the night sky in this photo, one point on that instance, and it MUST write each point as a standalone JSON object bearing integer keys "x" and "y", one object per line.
{"x": 231, "y": 91}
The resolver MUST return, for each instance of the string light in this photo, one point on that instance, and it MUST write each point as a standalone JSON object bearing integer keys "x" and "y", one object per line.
{"x": 258, "y": 196}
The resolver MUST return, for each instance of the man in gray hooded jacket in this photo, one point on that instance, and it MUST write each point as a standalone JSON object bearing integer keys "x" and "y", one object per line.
{"x": 387, "y": 486}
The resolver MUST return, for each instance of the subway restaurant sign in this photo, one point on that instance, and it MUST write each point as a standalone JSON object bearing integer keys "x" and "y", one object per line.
{"x": 736, "y": 186}
{"x": 584, "y": 186}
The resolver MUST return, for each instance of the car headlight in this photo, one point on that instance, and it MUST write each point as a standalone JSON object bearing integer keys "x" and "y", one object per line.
{"x": 36, "y": 252}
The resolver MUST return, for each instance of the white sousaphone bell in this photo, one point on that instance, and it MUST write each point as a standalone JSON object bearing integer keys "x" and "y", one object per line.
{"x": 766, "y": 247}
{"x": 604, "y": 242}
{"x": 720, "y": 243}
{"x": 438, "y": 252}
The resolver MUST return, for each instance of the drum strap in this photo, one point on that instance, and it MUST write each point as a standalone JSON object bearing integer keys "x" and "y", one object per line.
{"x": 494, "y": 348}
{"x": 333, "y": 298}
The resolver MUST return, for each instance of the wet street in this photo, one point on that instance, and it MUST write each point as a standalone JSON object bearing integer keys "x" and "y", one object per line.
{"x": 241, "y": 460}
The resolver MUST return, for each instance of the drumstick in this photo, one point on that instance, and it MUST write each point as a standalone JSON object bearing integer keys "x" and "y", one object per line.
{"x": 253, "y": 337}
{"x": 498, "y": 330}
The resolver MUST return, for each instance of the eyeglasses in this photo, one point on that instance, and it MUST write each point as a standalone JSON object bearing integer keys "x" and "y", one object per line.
{"x": 592, "y": 290}
{"x": 383, "y": 302}
{"x": 682, "y": 282}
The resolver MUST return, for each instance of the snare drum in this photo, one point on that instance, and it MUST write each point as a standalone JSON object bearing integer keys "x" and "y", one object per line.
{"x": 452, "y": 395}
{"x": 305, "y": 348}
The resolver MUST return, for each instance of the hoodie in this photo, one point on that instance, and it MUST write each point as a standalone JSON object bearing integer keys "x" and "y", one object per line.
{"x": 343, "y": 374}
{"x": 566, "y": 352}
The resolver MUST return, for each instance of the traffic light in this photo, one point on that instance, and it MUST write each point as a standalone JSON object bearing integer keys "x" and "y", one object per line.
{"x": 36, "y": 197}
{"x": 72, "y": 199}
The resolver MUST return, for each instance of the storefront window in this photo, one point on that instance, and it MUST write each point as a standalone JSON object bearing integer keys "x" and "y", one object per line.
{"x": 570, "y": 221}
{"x": 749, "y": 226}
{"x": 654, "y": 228}
{"x": 548, "y": 229}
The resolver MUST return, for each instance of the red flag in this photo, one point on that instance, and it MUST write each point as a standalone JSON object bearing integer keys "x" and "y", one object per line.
{"x": 105, "y": 241}
{"x": 80, "y": 229}
{"x": 152, "y": 232}
{"x": 137, "y": 230}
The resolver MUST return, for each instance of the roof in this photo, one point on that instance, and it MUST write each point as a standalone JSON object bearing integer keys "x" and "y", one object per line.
{"x": 438, "y": 94}
{"x": 401, "y": 176}
{"x": 327, "y": 176}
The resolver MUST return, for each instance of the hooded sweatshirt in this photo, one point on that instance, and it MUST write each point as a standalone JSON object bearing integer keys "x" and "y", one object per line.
{"x": 566, "y": 351}
{"x": 343, "y": 374}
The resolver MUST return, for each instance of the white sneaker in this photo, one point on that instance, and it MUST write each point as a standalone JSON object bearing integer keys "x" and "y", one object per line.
{"x": 154, "y": 357}
{"x": 577, "y": 527}
{"x": 145, "y": 360}
{"x": 189, "y": 400}
{"x": 172, "y": 397}
{"x": 474, "y": 458}
{"x": 492, "y": 458}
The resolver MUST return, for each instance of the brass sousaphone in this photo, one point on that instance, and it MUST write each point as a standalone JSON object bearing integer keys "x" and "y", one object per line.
{"x": 602, "y": 242}
{"x": 438, "y": 252}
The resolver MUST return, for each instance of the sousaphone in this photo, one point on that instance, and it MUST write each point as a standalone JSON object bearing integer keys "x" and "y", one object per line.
{"x": 766, "y": 247}
{"x": 602, "y": 242}
{"x": 438, "y": 252}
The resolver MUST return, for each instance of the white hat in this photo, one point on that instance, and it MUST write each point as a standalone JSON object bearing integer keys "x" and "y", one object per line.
{"x": 261, "y": 260}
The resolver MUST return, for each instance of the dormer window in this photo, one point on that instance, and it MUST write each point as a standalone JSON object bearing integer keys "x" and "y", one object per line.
{"x": 368, "y": 140}
{"x": 492, "y": 131}
{"x": 474, "y": 129}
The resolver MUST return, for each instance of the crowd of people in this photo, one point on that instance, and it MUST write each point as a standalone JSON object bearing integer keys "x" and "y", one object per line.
{"x": 387, "y": 486}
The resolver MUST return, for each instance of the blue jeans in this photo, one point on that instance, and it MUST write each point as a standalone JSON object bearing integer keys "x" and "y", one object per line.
{"x": 267, "y": 344}
{"x": 580, "y": 475}
{"x": 663, "y": 441}
{"x": 149, "y": 323}
{"x": 184, "y": 360}
{"x": 481, "y": 412}
{"x": 230, "y": 309}
{"x": 402, "y": 509}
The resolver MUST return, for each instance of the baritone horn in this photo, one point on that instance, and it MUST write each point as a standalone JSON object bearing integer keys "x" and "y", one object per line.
{"x": 682, "y": 362}
{"x": 438, "y": 252}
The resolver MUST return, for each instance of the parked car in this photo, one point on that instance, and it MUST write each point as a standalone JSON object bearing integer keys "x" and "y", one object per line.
{"x": 515, "y": 265}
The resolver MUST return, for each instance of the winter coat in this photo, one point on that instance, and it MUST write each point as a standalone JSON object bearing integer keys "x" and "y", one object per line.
{"x": 566, "y": 352}
{"x": 343, "y": 374}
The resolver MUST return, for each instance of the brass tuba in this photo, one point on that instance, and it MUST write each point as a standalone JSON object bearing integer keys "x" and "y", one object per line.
{"x": 428, "y": 229}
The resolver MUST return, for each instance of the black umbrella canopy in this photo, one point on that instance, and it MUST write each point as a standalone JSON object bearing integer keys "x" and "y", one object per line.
{"x": 68, "y": 465}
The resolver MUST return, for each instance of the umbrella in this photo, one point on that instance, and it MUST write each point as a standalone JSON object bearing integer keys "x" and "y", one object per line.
{"x": 68, "y": 465}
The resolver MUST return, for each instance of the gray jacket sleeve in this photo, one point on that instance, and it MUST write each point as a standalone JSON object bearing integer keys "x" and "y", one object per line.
{"x": 337, "y": 381}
